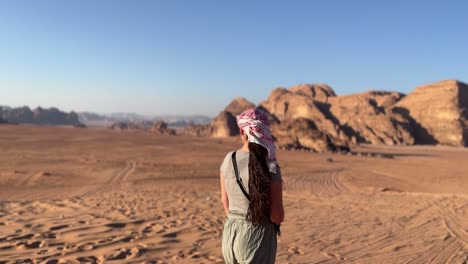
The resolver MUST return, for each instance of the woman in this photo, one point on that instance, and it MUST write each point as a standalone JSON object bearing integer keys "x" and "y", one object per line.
{"x": 254, "y": 210}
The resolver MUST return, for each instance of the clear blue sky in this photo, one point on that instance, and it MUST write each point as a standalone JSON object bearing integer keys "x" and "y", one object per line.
{"x": 193, "y": 57}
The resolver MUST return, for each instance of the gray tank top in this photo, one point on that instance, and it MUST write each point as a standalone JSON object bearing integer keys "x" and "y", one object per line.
{"x": 237, "y": 202}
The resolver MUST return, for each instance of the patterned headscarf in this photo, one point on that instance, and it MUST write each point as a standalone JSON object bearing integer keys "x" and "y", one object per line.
{"x": 256, "y": 126}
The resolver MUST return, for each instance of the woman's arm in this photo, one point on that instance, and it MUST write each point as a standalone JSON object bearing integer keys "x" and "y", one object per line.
{"x": 276, "y": 202}
{"x": 224, "y": 197}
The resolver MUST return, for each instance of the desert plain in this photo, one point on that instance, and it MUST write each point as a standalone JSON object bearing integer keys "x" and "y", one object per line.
{"x": 70, "y": 195}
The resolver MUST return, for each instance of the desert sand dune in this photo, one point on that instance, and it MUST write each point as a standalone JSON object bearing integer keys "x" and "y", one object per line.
{"x": 99, "y": 196}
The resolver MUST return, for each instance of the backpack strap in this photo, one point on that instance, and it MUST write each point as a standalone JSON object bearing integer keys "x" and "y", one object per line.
{"x": 238, "y": 179}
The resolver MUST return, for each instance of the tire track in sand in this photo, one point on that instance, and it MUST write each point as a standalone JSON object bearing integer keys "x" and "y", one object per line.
{"x": 122, "y": 176}
{"x": 456, "y": 226}
{"x": 320, "y": 184}
{"x": 440, "y": 221}
{"x": 117, "y": 180}
{"x": 31, "y": 179}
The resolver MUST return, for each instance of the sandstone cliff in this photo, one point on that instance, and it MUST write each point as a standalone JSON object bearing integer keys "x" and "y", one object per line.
{"x": 438, "y": 113}
{"x": 287, "y": 106}
{"x": 238, "y": 105}
{"x": 224, "y": 124}
{"x": 314, "y": 117}
{"x": 303, "y": 133}
{"x": 319, "y": 92}
{"x": 367, "y": 118}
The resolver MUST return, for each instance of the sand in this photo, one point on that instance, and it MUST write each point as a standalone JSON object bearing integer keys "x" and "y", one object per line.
{"x": 98, "y": 196}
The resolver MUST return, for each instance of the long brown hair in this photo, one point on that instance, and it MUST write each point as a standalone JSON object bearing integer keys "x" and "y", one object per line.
{"x": 259, "y": 185}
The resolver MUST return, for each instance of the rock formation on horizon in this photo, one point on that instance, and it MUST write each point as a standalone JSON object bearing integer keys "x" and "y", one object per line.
{"x": 303, "y": 133}
{"x": 238, "y": 105}
{"x": 224, "y": 124}
{"x": 313, "y": 116}
{"x": 335, "y": 116}
{"x": 367, "y": 118}
{"x": 289, "y": 131}
{"x": 286, "y": 105}
{"x": 438, "y": 113}
{"x": 161, "y": 128}
{"x": 319, "y": 92}
{"x": 297, "y": 118}
{"x": 158, "y": 127}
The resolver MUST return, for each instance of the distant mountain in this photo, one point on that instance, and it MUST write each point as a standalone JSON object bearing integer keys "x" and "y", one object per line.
{"x": 5, "y": 107}
{"x": 128, "y": 117}
{"x": 105, "y": 120}
{"x": 39, "y": 116}
{"x": 87, "y": 116}
{"x": 54, "y": 116}
{"x": 95, "y": 120}
{"x": 182, "y": 120}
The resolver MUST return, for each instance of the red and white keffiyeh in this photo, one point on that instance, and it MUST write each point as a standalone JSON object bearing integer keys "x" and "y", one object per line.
{"x": 256, "y": 126}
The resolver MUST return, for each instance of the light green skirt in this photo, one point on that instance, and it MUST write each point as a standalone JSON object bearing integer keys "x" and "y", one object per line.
{"x": 244, "y": 243}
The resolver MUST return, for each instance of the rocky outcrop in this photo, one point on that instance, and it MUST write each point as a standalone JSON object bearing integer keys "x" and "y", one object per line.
{"x": 438, "y": 113}
{"x": 126, "y": 126}
{"x": 292, "y": 117}
{"x": 238, "y": 105}
{"x": 284, "y": 105}
{"x": 319, "y": 92}
{"x": 224, "y": 124}
{"x": 198, "y": 130}
{"x": 368, "y": 118}
{"x": 383, "y": 99}
{"x": 161, "y": 128}
{"x": 299, "y": 120}
{"x": 303, "y": 133}
{"x": 39, "y": 116}
{"x": 337, "y": 116}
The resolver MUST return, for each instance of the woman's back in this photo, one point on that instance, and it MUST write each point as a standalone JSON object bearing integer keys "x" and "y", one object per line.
{"x": 238, "y": 203}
